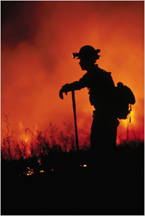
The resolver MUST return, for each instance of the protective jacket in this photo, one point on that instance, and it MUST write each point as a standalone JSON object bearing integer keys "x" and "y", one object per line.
{"x": 101, "y": 91}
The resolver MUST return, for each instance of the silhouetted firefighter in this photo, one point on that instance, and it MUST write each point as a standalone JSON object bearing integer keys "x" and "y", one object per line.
{"x": 102, "y": 95}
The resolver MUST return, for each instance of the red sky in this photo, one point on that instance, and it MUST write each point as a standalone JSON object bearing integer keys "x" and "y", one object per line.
{"x": 37, "y": 41}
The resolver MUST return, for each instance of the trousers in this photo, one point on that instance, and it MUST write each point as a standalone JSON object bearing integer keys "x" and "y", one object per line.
{"x": 103, "y": 137}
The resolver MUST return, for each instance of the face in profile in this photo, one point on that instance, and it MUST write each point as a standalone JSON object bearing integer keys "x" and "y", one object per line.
{"x": 82, "y": 64}
{"x": 85, "y": 64}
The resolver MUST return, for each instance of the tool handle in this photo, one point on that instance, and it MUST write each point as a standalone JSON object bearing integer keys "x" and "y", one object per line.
{"x": 75, "y": 121}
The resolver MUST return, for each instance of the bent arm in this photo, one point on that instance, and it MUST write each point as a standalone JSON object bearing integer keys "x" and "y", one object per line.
{"x": 77, "y": 85}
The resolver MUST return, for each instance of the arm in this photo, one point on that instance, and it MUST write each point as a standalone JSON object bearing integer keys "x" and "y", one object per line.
{"x": 71, "y": 87}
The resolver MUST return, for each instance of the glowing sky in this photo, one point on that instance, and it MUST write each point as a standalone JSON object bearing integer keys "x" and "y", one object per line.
{"x": 37, "y": 41}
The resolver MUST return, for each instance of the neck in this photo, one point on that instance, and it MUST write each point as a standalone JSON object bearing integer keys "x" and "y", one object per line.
{"x": 92, "y": 67}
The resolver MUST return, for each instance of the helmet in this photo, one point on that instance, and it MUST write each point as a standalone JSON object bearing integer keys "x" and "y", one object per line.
{"x": 87, "y": 52}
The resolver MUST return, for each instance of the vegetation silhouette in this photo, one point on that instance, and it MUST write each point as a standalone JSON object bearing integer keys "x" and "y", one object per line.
{"x": 52, "y": 184}
{"x": 48, "y": 181}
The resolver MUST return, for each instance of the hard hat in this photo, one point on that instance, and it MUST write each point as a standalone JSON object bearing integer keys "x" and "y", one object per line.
{"x": 87, "y": 52}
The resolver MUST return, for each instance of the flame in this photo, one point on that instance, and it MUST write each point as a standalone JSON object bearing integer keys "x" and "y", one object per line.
{"x": 30, "y": 171}
{"x": 25, "y": 138}
{"x": 84, "y": 165}
{"x": 132, "y": 116}
{"x": 41, "y": 171}
{"x": 40, "y": 62}
{"x": 39, "y": 161}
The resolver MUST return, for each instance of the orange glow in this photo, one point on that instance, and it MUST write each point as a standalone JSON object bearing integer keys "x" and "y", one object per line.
{"x": 39, "y": 161}
{"x": 42, "y": 171}
{"x": 38, "y": 62}
{"x": 30, "y": 171}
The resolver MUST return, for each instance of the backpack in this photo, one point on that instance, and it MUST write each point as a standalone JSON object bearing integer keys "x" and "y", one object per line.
{"x": 124, "y": 99}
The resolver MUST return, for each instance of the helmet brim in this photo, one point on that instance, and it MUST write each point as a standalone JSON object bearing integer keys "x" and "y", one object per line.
{"x": 76, "y": 55}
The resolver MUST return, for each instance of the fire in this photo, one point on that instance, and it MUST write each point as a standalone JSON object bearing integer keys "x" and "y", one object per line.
{"x": 30, "y": 171}
{"x": 39, "y": 161}
{"x": 25, "y": 138}
{"x": 40, "y": 62}
{"x": 84, "y": 165}
{"x": 41, "y": 171}
{"x": 132, "y": 117}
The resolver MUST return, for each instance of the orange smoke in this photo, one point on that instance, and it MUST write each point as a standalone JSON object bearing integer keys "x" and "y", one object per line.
{"x": 37, "y": 41}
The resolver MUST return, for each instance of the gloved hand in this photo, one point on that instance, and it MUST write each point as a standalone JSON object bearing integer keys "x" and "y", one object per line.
{"x": 63, "y": 89}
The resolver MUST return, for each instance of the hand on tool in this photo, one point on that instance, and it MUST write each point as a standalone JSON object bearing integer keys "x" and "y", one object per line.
{"x": 63, "y": 89}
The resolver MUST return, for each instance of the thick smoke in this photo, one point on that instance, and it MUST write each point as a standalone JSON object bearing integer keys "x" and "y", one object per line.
{"x": 37, "y": 41}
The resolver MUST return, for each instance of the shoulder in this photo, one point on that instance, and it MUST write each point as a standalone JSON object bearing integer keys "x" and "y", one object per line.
{"x": 104, "y": 72}
{"x": 107, "y": 77}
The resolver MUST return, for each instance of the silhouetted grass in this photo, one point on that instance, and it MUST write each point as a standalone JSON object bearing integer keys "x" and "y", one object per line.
{"x": 48, "y": 176}
{"x": 127, "y": 155}
{"x": 67, "y": 188}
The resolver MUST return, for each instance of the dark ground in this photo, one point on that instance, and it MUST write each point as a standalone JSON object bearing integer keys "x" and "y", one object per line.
{"x": 116, "y": 189}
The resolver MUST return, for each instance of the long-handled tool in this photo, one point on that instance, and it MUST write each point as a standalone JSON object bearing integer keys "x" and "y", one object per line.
{"x": 75, "y": 121}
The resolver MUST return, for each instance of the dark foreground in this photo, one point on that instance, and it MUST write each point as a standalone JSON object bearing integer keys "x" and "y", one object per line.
{"x": 112, "y": 190}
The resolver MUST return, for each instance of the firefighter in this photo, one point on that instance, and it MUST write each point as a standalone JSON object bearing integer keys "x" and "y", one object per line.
{"x": 101, "y": 90}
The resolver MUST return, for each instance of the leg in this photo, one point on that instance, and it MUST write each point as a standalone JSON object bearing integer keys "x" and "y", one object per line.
{"x": 103, "y": 143}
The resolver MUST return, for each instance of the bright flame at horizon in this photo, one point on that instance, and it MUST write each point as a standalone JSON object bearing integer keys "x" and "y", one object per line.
{"x": 38, "y": 40}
